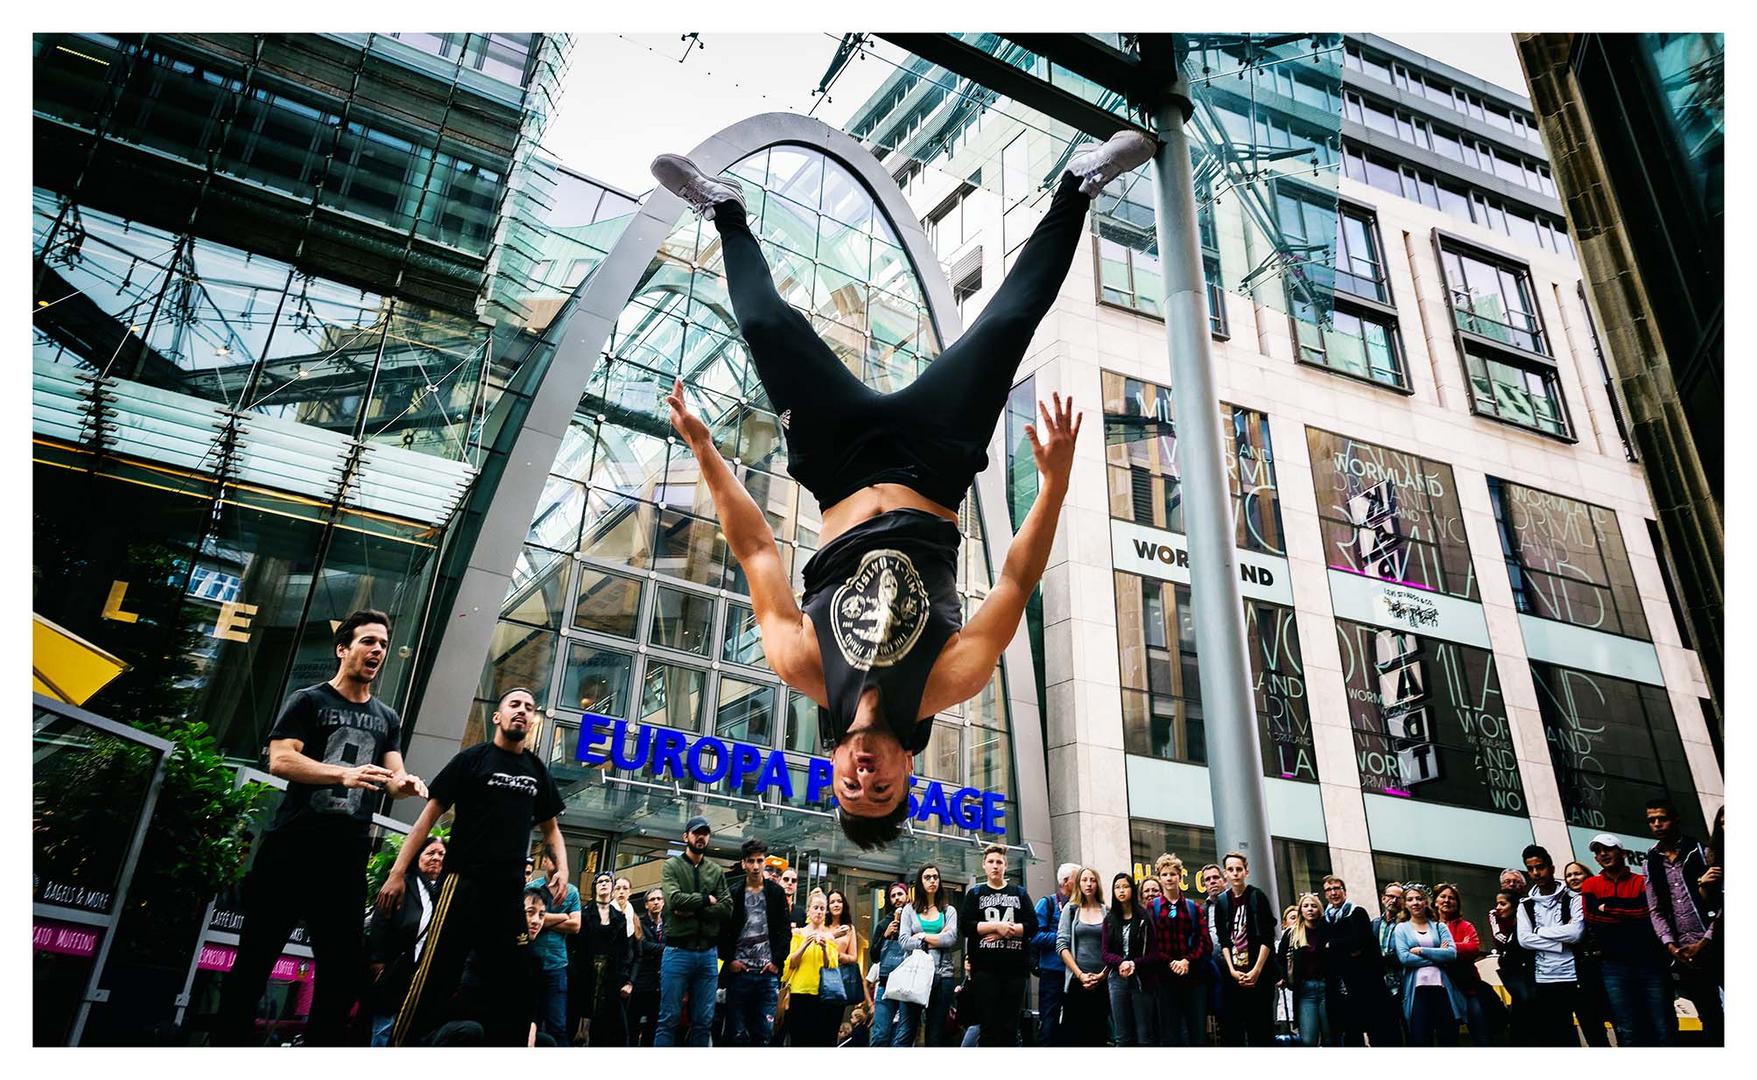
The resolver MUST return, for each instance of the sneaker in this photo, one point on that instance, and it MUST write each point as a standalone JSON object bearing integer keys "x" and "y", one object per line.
{"x": 681, "y": 177}
{"x": 1104, "y": 163}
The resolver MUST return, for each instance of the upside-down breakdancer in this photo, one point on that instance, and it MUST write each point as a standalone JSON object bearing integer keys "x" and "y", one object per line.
{"x": 880, "y": 644}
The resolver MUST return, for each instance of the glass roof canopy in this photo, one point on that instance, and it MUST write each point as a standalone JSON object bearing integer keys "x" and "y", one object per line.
{"x": 1265, "y": 138}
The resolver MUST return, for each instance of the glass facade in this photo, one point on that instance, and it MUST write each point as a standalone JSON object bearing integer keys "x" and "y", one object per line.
{"x": 1390, "y": 515}
{"x": 1299, "y": 866}
{"x": 1567, "y": 560}
{"x": 1614, "y": 745}
{"x": 1161, "y": 681}
{"x": 1429, "y": 719}
{"x": 660, "y": 631}
{"x": 277, "y": 382}
{"x": 1146, "y": 487}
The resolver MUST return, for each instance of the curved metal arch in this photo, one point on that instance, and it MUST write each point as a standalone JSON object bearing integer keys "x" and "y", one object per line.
{"x": 467, "y": 629}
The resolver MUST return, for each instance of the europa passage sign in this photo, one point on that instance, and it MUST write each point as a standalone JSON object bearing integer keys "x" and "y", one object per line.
{"x": 756, "y": 770}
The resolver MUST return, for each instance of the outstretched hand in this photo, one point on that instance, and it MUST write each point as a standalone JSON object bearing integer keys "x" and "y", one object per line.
{"x": 1055, "y": 450}
{"x": 687, "y": 423}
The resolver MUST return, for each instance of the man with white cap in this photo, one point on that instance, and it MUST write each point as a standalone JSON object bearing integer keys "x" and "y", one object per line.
{"x": 1636, "y": 979}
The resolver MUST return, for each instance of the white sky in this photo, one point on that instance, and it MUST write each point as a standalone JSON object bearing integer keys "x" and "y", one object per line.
{"x": 628, "y": 98}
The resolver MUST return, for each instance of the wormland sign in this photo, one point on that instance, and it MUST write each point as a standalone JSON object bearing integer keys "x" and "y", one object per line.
{"x": 705, "y": 759}
{"x": 1159, "y": 553}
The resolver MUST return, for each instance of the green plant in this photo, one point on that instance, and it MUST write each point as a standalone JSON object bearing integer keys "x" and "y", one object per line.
{"x": 195, "y": 845}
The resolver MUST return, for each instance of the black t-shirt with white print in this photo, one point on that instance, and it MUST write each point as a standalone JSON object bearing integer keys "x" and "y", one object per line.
{"x": 1007, "y": 904}
{"x": 498, "y": 796}
{"x": 334, "y": 731}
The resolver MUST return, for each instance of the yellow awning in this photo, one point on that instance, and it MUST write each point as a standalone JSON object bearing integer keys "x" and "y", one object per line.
{"x": 67, "y": 667}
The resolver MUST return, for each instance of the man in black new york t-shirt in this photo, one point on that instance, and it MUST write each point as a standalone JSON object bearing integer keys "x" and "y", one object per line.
{"x": 499, "y": 791}
{"x": 337, "y": 748}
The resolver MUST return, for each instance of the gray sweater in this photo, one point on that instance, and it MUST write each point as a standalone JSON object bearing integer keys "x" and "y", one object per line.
{"x": 909, "y": 932}
{"x": 1085, "y": 939}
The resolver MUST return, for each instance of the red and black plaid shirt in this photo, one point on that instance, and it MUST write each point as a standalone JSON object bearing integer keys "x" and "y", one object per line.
{"x": 1182, "y": 930}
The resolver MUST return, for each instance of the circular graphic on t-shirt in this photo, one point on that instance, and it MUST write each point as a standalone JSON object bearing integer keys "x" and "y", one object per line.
{"x": 879, "y": 612}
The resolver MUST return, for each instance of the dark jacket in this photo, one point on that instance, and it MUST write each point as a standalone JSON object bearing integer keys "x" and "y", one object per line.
{"x": 651, "y": 947}
{"x": 1261, "y": 924}
{"x": 390, "y": 940}
{"x": 776, "y": 914}
{"x": 1695, "y": 862}
{"x": 695, "y": 923}
{"x": 1351, "y": 959}
{"x": 1298, "y": 965}
{"x": 598, "y": 940}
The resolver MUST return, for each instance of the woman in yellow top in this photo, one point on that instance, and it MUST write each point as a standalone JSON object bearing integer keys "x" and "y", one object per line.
{"x": 811, "y": 1020}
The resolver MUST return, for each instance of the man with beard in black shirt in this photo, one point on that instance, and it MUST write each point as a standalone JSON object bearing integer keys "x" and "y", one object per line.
{"x": 500, "y": 790}
{"x": 337, "y": 747}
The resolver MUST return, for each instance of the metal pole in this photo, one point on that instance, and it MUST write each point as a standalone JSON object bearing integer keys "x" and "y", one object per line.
{"x": 1235, "y": 763}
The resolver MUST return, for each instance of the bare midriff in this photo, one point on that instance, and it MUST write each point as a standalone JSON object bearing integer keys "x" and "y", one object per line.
{"x": 873, "y": 500}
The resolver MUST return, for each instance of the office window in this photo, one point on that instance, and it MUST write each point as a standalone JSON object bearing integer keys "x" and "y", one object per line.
{"x": 1129, "y": 276}
{"x": 1566, "y": 560}
{"x": 1162, "y": 697}
{"x": 1360, "y": 266}
{"x": 1493, "y": 300}
{"x": 1614, "y": 745}
{"x": 1358, "y": 343}
{"x": 1516, "y": 390}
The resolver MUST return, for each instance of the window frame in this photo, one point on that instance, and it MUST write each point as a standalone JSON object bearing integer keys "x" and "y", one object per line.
{"x": 1549, "y": 367}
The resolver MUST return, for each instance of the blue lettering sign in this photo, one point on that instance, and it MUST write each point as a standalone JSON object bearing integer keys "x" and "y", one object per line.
{"x": 592, "y": 733}
{"x": 817, "y": 778}
{"x": 710, "y": 760}
{"x": 697, "y": 771}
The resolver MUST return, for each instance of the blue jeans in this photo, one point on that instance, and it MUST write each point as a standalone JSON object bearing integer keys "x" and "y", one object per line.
{"x": 1132, "y": 1011}
{"x": 1641, "y": 1002}
{"x": 686, "y": 971}
{"x": 1311, "y": 1013}
{"x": 1182, "y": 1011}
{"x": 552, "y": 1006}
{"x": 381, "y": 1026}
{"x": 894, "y": 1023}
{"x": 750, "y": 1007}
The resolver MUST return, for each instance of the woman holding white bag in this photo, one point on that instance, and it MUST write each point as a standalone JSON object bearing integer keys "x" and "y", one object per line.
{"x": 928, "y": 927}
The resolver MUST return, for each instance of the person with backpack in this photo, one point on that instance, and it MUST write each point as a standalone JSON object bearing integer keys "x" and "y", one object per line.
{"x": 1181, "y": 925}
{"x": 1551, "y": 921}
{"x": 1684, "y": 904}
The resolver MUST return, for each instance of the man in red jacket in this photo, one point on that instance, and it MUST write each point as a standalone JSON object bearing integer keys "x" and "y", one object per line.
{"x": 1636, "y": 979}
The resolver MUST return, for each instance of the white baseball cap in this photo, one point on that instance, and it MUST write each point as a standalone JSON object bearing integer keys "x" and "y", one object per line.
{"x": 1606, "y": 840}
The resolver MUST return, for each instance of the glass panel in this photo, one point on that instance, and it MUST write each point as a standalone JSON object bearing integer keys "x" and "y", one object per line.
{"x": 745, "y": 711}
{"x": 802, "y": 724}
{"x": 744, "y": 640}
{"x": 941, "y": 759}
{"x": 535, "y": 595}
{"x": 690, "y": 548}
{"x": 672, "y": 695}
{"x": 559, "y": 512}
{"x": 518, "y": 656}
{"x": 991, "y": 759}
{"x": 597, "y": 680}
{"x": 682, "y": 620}
{"x": 618, "y": 529}
{"x": 606, "y": 603}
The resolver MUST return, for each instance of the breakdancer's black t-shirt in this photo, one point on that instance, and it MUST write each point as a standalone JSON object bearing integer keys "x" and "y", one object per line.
{"x": 883, "y": 601}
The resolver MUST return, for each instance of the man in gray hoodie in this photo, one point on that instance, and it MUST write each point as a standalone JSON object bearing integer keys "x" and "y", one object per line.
{"x": 1551, "y": 920}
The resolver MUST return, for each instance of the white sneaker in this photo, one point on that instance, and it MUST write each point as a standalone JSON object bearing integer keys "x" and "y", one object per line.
{"x": 1116, "y": 155}
{"x": 680, "y": 176}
